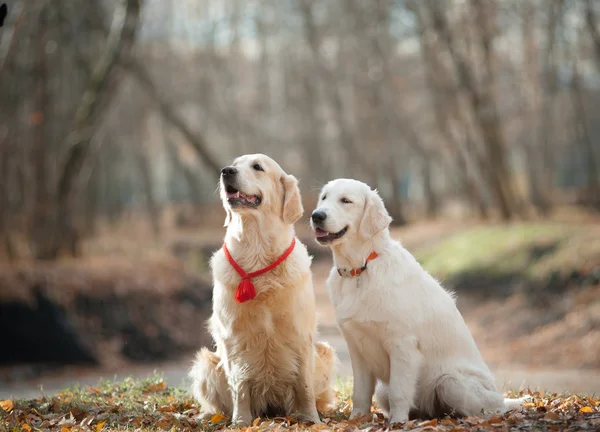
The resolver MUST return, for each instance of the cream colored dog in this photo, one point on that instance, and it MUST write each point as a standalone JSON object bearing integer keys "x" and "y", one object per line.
{"x": 266, "y": 361}
{"x": 402, "y": 328}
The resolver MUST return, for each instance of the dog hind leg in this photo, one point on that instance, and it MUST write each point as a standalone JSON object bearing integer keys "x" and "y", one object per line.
{"x": 382, "y": 398}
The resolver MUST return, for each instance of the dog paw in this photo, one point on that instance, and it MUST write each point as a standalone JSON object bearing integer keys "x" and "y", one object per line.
{"x": 204, "y": 416}
{"x": 398, "y": 419}
{"x": 240, "y": 422}
{"x": 307, "y": 418}
{"x": 356, "y": 413}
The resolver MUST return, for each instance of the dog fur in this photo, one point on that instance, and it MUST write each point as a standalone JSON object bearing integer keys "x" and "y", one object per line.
{"x": 408, "y": 342}
{"x": 266, "y": 361}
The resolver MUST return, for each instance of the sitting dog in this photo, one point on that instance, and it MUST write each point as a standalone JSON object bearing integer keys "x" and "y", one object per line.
{"x": 264, "y": 321}
{"x": 403, "y": 330}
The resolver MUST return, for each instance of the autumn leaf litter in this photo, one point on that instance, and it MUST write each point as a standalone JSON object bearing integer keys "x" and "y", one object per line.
{"x": 152, "y": 405}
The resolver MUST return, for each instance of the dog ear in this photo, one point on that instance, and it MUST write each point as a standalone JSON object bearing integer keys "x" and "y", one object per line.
{"x": 292, "y": 201}
{"x": 375, "y": 216}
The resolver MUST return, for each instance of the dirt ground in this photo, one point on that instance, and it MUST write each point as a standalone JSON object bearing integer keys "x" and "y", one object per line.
{"x": 508, "y": 376}
{"x": 535, "y": 374}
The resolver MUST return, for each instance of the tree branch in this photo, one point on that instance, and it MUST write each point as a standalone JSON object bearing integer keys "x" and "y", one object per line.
{"x": 168, "y": 112}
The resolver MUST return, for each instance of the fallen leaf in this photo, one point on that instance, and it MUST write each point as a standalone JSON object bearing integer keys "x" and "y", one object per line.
{"x": 551, "y": 416}
{"x": 256, "y": 421}
{"x": 473, "y": 420}
{"x": 77, "y": 413}
{"x": 64, "y": 429}
{"x": 362, "y": 419}
{"x": 216, "y": 418}
{"x": 155, "y": 387}
{"x": 167, "y": 408}
{"x": 449, "y": 421}
{"x": 586, "y": 409}
{"x": 7, "y": 405}
{"x": 137, "y": 422}
{"x": 433, "y": 422}
{"x": 164, "y": 424}
{"x": 494, "y": 420}
{"x": 26, "y": 428}
{"x": 99, "y": 426}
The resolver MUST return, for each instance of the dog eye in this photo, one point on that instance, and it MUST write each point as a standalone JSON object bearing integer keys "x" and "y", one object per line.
{"x": 346, "y": 201}
{"x": 257, "y": 167}
{"x": 323, "y": 198}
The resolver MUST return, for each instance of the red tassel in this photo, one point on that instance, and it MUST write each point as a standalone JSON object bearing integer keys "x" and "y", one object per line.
{"x": 245, "y": 291}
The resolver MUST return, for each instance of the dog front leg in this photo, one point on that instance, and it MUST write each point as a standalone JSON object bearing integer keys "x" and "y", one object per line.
{"x": 305, "y": 393}
{"x": 242, "y": 411}
{"x": 405, "y": 362}
{"x": 364, "y": 382}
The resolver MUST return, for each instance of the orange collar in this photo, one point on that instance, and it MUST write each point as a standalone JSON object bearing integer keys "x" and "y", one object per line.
{"x": 358, "y": 271}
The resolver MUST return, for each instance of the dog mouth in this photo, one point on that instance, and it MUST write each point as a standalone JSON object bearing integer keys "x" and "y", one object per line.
{"x": 236, "y": 198}
{"x": 324, "y": 237}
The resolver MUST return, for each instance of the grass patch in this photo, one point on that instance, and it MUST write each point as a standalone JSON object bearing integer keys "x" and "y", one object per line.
{"x": 534, "y": 255}
{"x": 496, "y": 249}
{"x": 151, "y": 405}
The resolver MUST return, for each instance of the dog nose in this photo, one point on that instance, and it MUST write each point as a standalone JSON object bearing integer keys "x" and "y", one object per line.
{"x": 318, "y": 216}
{"x": 229, "y": 171}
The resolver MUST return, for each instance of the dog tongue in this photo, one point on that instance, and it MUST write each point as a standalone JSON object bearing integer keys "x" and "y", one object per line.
{"x": 320, "y": 233}
{"x": 233, "y": 194}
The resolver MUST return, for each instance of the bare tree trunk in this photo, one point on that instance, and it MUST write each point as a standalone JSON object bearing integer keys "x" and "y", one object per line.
{"x": 483, "y": 105}
{"x": 313, "y": 37}
{"x": 41, "y": 221}
{"x": 141, "y": 159}
{"x": 311, "y": 137}
{"x": 188, "y": 174}
{"x": 119, "y": 43}
{"x": 590, "y": 19}
{"x": 447, "y": 110}
{"x": 6, "y": 157}
{"x": 432, "y": 204}
{"x": 583, "y": 133}
{"x": 31, "y": 12}
{"x": 549, "y": 91}
{"x": 395, "y": 207}
{"x": 540, "y": 198}
{"x": 474, "y": 191}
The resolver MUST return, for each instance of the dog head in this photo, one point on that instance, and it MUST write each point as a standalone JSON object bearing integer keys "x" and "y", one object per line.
{"x": 348, "y": 209}
{"x": 256, "y": 185}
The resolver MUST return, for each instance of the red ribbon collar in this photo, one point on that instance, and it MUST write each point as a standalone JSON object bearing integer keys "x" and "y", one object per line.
{"x": 245, "y": 290}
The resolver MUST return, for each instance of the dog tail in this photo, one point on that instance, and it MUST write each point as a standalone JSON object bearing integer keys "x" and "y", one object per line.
{"x": 325, "y": 365}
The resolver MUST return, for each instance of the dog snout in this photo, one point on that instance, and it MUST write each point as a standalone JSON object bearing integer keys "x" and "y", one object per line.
{"x": 318, "y": 216}
{"x": 229, "y": 171}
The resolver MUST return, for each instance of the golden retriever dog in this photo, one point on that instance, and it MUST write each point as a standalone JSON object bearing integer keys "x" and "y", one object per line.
{"x": 403, "y": 330}
{"x": 264, "y": 325}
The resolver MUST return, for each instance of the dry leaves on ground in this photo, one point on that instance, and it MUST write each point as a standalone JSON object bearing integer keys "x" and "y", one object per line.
{"x": 151, "y": 405}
